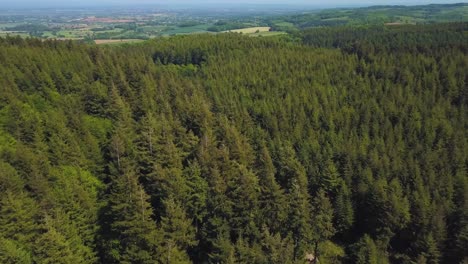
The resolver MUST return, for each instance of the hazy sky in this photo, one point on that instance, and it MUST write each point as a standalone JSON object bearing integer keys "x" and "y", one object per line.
{"x": 329, "y": 3}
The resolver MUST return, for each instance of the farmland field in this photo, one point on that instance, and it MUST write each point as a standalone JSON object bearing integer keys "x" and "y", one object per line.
{"x": 250, "y": 30}
{"x": 116, "y": 41}
{"x": 122, "y": 25}
{"x": 268, "y": 34}
{"x": 13, "y": 33}
{"x": 7, "y": 25}
{"x": 187, "y": 30}
{"x": 70, "y": 34}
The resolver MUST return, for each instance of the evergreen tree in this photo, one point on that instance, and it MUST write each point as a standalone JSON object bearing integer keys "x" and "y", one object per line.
{"x": 277, "y": 249}
{"x": 366, "y": 252}
{"x": 198, "y": 194}
{"x": 53, "y": 247}
{"x": 178, "y": 234}
{"x": 175, "y": 150}
{"x": 322, "y": 221}
{"x": 11, "y": 252}
{"x": 130, "y": 234}
{"x": 330, "y": 179}
{"x": 343, "y": 209}
{"x": 19, "y": 218}
{"x": 272, "y": 202}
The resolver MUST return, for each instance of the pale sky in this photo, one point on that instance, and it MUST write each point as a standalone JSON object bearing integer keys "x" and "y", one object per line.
{"x": 329, "y": 3}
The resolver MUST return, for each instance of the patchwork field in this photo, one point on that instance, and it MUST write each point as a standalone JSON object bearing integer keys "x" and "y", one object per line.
{"x": 117, "y": 26}
{"x": 187, "y": 30}
{"x": 116, "y": 41}
{"x": 6, "y": 25}
{"x": 250, "y": 30}
{"x": 268, "y": 34}
{"x": 13, "y": 33}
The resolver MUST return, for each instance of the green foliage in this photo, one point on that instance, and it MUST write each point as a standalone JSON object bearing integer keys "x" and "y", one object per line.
{"x": 344, "y": 212}
{"x": 331, "y": 252}
{"x": 54, "y": 247}
{"x": 11, "y": 252}
{"x": 19, "y": 224}
{"x": 178, "y": 236}
{"x": 350, "y": 146}
{"x": 330, "y": 178}
{"x": 227, "y": 25}
{"x": 98, "y": 127}
{"x": 366, "y": 252}
{"x": 272, "y": 200}
{"x": 276, "y": 248}
{"x": 7, "y": 142}
{"x": 130, "y": 232}
{"x": 394, "y": 16}
{"x": 322, "y": 224}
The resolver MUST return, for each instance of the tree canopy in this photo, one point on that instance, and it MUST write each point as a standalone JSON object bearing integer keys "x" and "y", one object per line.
{"x": 350, "y": 144}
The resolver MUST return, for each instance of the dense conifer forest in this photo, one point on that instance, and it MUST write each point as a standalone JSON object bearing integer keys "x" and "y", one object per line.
{"x": 347, "y": 143}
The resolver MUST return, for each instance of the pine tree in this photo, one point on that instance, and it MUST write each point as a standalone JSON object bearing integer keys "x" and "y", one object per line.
{"x": 12, "y": 252}
{"x": 53, "y": 247}
{"x": 365, "y": 251}
{"x": 73, "y": 198}
{"x": 197, "y": 196}
{"x": 178, "y": 234}
{"x": 277, "y": 250}
{"x": 343, "y": 209}
{"x": 19, "y": 217}
{"x": 299, "y": 221}
{"x": 272, "y": 201}
{"x": 130, "y": 234}
{"x": 243, "y": 191}
{"x": 249, "y": 253}
{"x": 430, "y": 250}
{"x": 330, "y": 178}
{"x": 322, "y": 220}
{"x": 223, "y": 251}
{"x": 215, "y": 230}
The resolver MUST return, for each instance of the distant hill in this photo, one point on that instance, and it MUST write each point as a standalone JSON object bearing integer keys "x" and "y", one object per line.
{"x": 421, "y": 14}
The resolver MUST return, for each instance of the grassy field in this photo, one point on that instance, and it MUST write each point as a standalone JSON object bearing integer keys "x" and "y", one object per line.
{"x": 187, "y": 30}
{"x": 268, "y": 34}
{"x": 460, "y": 14}
{"x": 63, "y": 35}
{"x": 7, "y": 25}
{"x": 345, "y": 18}
{"x": 250, "y": 30}
{"x": 116, "y": 41}
{"x": 12, "y": 34}
{"x": 153, "y": 29}
{"x": 288, "y": 24}
{"x": 71, "y": 34}
{"x": 284, "y": 24}
{"x": 114, "y": 30}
